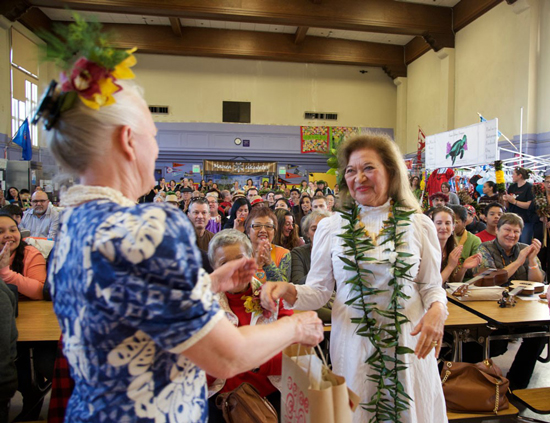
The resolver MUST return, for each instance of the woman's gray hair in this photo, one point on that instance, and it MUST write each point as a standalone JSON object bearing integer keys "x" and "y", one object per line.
{"x": 83, "y": 135}
{"x": 312, "y": 217}
{"x": 399, "y": 188}
{"x": 228, "y": 237}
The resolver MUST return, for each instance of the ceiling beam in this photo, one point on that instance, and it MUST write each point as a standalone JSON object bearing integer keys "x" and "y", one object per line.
{"x": 415, "y": 48}
{"x": 234, "y": 44}
{"x": 467, "y": 11}
{"x": 381, "y": 16}
{"x": 176, "y": 26}
{"x": 300, "y": 34}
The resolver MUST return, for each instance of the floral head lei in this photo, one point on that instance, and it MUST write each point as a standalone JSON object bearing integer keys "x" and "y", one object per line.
{"x": 90, "y": 69}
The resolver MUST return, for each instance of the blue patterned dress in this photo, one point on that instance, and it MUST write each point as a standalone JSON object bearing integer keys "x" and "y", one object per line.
{"x": 130, "y": 295}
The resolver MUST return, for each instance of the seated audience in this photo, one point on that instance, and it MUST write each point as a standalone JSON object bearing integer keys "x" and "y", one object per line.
{"x": 453, "y": 198}
{"x": 283, "y": 203}
{"x": 273, "y": 261}
{"x": 251, "y": 192}
{"x": 521, "y": 263}
{"x": 493, "y": 213}
{"x": 473, "y": 224}
{"x": 301, "y": 258}
{"x": 470, "y": 243}
{"x": 17, "y": 214}
{"x": 506, "y": 252}
{"x": 216, "y": 220}
{"x": 225, "y": 204}
{"x": 20, "y": 264}
{"x": 287, "y": 234}
{"x": 42, "y": 219}
{"x": 13, "y": 197}
{"x": 186, "y": 198}
{"x": 199, "y": 215}
{"x": 319, "y": 203}
{"x": 172, "y": 199}
{"x": 226, "y": 246}
{"x": 25, "y": 196}
{"x": 490, "y": 194}
{"x": 295, "y": 199}
{"x": 452, "y": 268}
{"x": 238, "y": 214}
{"x": 439, "y": 199}
{"x": 331, "y": 201}
{"x": 303, "y": 210}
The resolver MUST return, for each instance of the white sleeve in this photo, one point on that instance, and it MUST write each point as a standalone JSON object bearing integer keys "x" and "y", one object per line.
{"x": 429, "y": 276}
{"x": 320, "y": 279}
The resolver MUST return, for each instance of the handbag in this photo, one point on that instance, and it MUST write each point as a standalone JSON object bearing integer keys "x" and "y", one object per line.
{"x": 478, "y": 387}
{"x": 245, "y": 405}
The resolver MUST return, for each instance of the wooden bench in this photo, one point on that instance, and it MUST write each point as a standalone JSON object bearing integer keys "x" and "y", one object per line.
{"x": 536, "y": 399}
{"x": 511, "y": 411}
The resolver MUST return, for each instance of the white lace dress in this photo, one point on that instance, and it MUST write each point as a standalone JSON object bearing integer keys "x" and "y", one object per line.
{"x": 349, "y": 351}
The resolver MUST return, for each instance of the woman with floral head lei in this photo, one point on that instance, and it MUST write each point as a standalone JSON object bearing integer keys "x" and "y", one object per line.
{"x": 382, "y": 255}
{"x": 136, "y": 309}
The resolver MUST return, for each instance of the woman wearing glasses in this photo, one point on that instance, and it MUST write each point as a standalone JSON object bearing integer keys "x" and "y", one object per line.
{"x": 273, "y": 261}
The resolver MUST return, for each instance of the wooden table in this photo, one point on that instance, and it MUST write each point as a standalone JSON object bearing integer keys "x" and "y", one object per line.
{"x": 523, "y": 313}
{"x": 461, "y": 317}
{"x": 37, "y": 322}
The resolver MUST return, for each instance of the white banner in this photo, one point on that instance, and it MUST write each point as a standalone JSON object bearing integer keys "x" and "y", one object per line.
{"x": 469, "y": 146}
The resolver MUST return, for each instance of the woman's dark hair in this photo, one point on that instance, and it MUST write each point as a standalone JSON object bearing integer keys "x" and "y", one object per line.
{"x": 280, "y": 239}
{"x": 300, "y": 215}
{"x": 524, "y": 173}
{"x": 302, "y": 183}
{"x": 12, "y": 210}
{"x": 8, "y": 194}
{"x": 493, "y": 205}
{"x": 286, "y": 202}
{"x": 460, "y": 212}
{"x": 451, "y": 242}
{"x": 249, "y": 180}
{"x": 239, "y": 202}
{"x": 413, "y": 178}
{"x": 18, "y": 260}
{"x": 492, "y": 185}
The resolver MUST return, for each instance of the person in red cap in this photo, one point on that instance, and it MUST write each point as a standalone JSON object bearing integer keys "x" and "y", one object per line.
{"x": 439, "y": 199}
{"x": 473, "y": 224}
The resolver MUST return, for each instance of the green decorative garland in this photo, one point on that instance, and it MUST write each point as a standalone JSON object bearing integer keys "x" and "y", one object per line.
{"x": 390, "y": 398}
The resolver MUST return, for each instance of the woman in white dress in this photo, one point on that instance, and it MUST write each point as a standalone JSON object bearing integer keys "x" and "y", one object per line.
{"x": 374, "y": 178}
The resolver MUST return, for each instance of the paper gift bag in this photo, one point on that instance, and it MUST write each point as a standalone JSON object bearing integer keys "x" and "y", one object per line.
{"x": 304, "y": 399}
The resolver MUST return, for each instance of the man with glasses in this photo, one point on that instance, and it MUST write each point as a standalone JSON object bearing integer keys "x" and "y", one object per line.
{"x": 42, "y": 220}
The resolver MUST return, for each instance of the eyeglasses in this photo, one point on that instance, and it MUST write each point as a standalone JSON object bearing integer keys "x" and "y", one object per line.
{"x": 258, "y": 226}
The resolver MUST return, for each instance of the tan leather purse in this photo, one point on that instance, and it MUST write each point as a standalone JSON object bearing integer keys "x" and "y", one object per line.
{"x": 478, "y": 387}
{"x": 245, "y": 405}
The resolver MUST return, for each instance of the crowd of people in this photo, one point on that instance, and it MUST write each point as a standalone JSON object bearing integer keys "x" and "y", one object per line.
{"x": 170, "y": 294}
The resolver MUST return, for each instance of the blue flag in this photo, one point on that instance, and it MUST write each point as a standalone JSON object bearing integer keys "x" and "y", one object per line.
{"x": 23, "y": 139}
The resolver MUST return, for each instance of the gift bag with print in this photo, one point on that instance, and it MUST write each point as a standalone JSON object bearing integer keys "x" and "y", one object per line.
{"x": 310, "y": 392}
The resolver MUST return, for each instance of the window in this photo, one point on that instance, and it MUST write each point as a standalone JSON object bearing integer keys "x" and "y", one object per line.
{"x": 24, "y": 94}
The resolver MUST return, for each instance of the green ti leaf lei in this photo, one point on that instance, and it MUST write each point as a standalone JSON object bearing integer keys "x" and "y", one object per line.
{"x": 390, "y": 398}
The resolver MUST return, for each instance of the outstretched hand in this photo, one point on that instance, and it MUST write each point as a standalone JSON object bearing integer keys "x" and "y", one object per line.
{"x": 232, "y": 274}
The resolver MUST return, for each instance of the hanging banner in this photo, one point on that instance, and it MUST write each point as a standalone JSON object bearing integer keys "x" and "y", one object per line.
{"x": 469, "y": 146}
{"x": 240, "y": 168}
{"x": 315, "y": 139}
{"x": 339, "y": 133}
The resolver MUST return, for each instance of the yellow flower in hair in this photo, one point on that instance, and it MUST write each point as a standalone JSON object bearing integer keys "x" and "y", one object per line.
{"x": 105, "y": 97}
{"x": 122, "y": 70}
